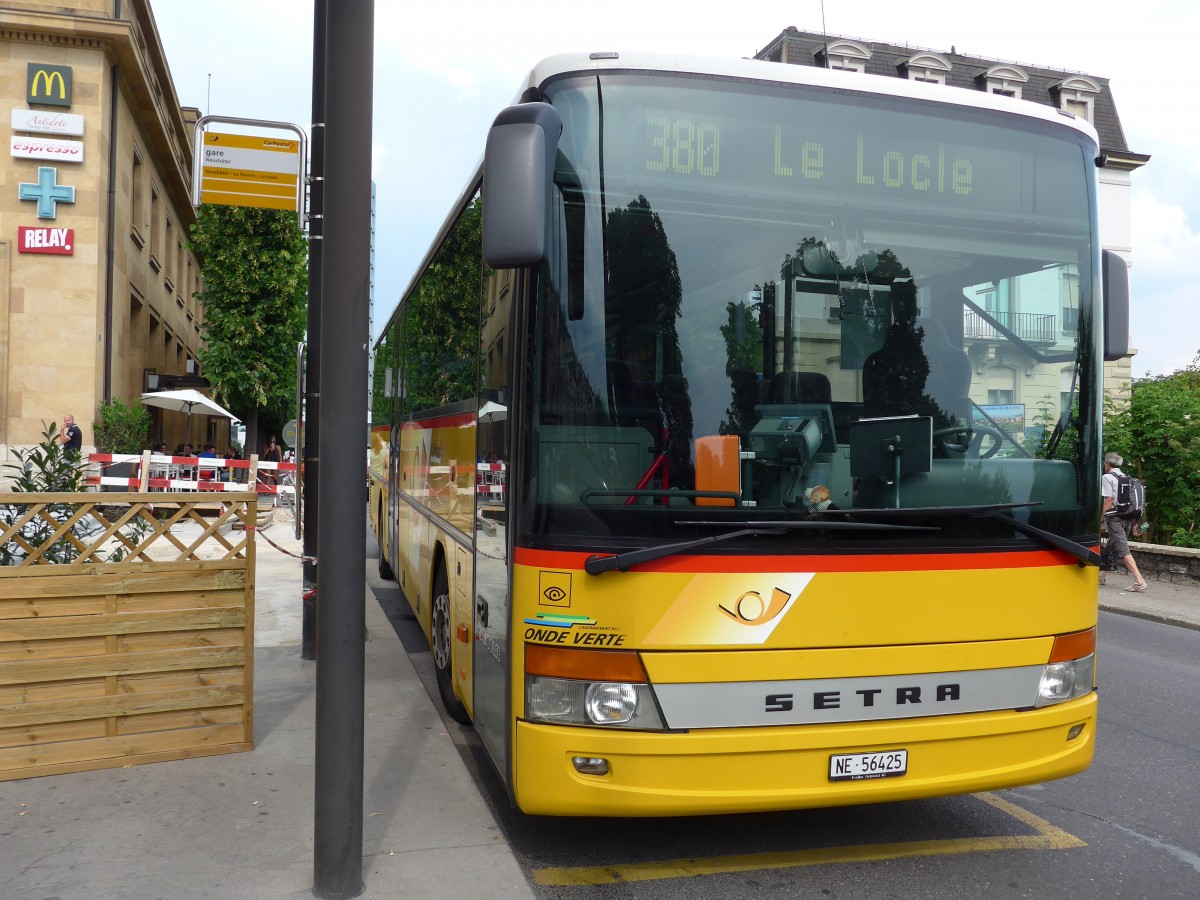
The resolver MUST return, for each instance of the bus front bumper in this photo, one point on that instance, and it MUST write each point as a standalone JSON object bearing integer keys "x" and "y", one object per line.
{"x": 756, "y": 769}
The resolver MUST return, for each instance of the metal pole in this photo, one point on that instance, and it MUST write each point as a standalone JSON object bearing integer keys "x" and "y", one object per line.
{"x": 341, "y": 585}
{"x": 298, "y": 443}
{"x": 312, "y": 384}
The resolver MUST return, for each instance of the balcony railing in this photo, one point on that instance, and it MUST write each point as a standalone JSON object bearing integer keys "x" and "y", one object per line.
{"x": 1033, "y": 327}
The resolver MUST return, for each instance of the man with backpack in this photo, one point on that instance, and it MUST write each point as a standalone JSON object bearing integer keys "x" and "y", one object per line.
{"x": 1124, "y": 500}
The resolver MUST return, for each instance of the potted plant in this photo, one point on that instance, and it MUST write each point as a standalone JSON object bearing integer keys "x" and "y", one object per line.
{"x": 121, "y": 428}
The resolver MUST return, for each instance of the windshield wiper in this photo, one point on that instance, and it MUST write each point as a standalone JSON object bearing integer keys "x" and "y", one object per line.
{"x": 1085, "y": 555}
{"x": 597, "y": 565}
{"x": 994, "y": 511}
{"x": 891, "y": 512}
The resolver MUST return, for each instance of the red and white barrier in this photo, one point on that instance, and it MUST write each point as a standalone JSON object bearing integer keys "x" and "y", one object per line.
{"x": 187, "y": 473}
{"x": 490, "y": 479}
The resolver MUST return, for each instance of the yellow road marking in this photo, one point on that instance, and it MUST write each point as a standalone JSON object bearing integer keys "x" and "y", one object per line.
{"x": 1048, "y": 837}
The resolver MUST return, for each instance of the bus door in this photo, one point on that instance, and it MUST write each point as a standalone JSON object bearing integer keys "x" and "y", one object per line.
{"x": 491, "y": 607}
{"x": 391, "y": 527}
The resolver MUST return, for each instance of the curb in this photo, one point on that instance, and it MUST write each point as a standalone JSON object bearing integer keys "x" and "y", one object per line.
{"x": 1148, "y": 616}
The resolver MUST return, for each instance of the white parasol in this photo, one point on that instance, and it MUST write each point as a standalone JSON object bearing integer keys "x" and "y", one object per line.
{"x": 493, "y": 412}
{"x": 186, "y": 401}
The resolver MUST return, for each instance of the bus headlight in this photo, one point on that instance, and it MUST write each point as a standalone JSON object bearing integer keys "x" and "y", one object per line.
{"x": 610, "y": 704}
{"x": 582, "y": 686}
{"x": 563, "y": 701}
{"x": 1068, "y": 680}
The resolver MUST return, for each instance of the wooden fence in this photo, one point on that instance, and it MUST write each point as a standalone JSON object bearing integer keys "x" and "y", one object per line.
{"x": 126, "y": 629}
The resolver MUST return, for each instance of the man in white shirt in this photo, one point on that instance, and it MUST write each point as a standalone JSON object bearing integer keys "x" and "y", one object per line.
{"x": 1118, "y": 528}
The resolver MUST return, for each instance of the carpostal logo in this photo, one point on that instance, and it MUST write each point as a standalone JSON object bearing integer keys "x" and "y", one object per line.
{"x": 729, "y": 609}
{"x": 752, "y": 609}
{"x": 48, "y": 85}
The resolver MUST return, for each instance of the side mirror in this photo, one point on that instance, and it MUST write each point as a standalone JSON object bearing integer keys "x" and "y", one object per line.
{"x": 1116, "y": 306}
{"x": 518, "y": 169}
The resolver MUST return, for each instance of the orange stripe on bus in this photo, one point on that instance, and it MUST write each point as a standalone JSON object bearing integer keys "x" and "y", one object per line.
{"x": 875, "y": 562}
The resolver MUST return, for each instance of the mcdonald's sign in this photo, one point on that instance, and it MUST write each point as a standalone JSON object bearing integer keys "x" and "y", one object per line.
{"x": 48, "y": 85}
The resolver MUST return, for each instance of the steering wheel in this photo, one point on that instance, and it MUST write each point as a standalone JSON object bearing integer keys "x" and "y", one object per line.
{"x": 974, "y": 439}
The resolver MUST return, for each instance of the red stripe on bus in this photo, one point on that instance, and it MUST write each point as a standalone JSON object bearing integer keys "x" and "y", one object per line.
{"x": 889, "y": 562}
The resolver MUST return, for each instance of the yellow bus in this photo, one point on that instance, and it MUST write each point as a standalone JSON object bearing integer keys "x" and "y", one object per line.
{"x": 737, "y": 441}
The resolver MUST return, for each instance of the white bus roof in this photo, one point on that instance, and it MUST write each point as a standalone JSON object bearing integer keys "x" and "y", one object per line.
{"x": 783, "y": 73}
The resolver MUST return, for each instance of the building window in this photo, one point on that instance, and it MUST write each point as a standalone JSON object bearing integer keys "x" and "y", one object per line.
{"x": 179, "y": 273}
{"x": 1070, "y": 294}
{"x": 155, "y": 226}
{"x": 848, "y": 56}
{"x": 1005, "y": 80}
{"x": 187, "y": 285}
{"x": 1070, "y": 320}
{"x": 1001, "y": 386}
{"x": 1066, "y": 396}
{"x": 168, "y": 262}
{"x": 1077, "y": 96}
{"x": 137, "y": 215}
{"x": 931, "y": 68}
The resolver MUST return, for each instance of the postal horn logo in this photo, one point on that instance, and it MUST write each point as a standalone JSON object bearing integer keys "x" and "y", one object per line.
{"x": 753, "y": 609}
{"x": 48, "y": 85}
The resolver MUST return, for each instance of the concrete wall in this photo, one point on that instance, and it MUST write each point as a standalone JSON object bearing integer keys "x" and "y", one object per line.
{"x": 1174, "y": 565}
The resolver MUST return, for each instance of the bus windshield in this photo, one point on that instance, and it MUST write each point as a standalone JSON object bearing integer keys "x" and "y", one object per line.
{"x": 768, "y": 303}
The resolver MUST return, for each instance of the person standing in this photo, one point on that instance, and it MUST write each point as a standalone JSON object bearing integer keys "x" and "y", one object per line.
{"x": 1118, "y": 527}
{"x": 271, "y": 476}
{"x": 71, "y": 437}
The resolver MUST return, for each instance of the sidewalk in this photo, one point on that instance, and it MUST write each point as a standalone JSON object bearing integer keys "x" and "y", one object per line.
{"x": 240, "y": 825}
{"x": 1171, "y": 604}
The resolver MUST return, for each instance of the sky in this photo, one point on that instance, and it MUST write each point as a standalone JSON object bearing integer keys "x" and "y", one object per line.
{"x": 443, "y": 73}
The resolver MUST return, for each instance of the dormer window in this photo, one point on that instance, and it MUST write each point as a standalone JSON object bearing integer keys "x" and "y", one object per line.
{"x": 1006, "y": 80}
{"x": 849, "y": 56}
{"x": 928, "y": 67}
{"x": 1076, "y": 95}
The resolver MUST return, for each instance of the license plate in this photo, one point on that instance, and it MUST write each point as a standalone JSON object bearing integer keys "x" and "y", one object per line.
{"x": 860, "y": 766}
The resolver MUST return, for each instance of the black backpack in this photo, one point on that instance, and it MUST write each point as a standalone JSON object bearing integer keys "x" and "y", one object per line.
{"x": 1130, "y": 502}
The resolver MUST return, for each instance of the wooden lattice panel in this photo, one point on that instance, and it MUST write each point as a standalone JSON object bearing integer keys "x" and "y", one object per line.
{"x": 145, "y": 659}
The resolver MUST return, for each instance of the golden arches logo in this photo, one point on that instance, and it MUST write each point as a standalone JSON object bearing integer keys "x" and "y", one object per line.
{"x": 752, "y": 609}
{"x": 50, "y": 85}
{"x": 48, "y": 79}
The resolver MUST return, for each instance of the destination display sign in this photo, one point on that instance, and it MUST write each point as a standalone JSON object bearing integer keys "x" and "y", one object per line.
{"x": 248, "y": 170}
{"x": 858, "y": 158}
{"x": 873, "y": 151}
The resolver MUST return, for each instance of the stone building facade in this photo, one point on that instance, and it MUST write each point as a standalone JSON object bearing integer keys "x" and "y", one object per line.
{"x": 1086, "y": 96}
{"x": 96, "y": 285}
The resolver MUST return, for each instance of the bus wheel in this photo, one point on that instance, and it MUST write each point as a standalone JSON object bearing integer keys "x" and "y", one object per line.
{"x": 442, "y": 637}
{"x": 385, "y": 570}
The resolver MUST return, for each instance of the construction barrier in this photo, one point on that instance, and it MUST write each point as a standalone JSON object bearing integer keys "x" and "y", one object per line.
{"x": 490, "y": 479}
{"x": 158, "y": 472}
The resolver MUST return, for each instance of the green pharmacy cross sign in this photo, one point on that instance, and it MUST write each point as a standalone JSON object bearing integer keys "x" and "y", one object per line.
{"x": 47, "y": 192}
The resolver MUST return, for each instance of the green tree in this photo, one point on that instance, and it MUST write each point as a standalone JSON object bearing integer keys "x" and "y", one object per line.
{"x": 1158, "y": 433}
{"x": 255, "y": 273}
